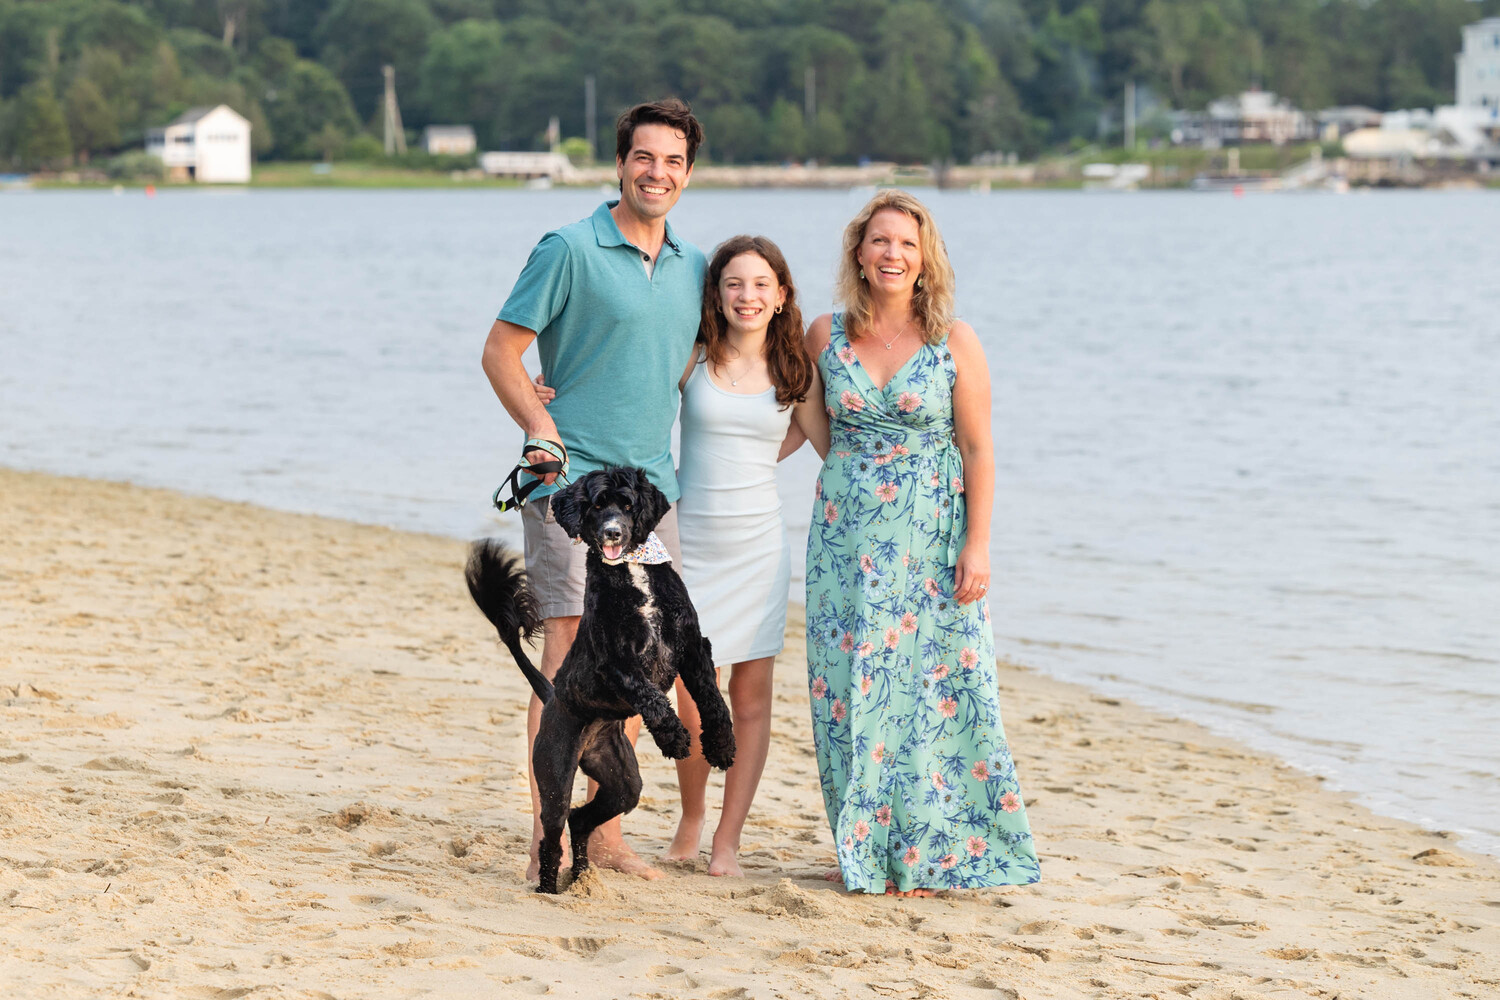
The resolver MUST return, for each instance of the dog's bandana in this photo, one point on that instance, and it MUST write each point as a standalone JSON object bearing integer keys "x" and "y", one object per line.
{"x": 649, "y": 553}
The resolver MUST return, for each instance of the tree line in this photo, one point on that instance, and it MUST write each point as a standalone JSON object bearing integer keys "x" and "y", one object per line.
{"x": 834, "y": 80}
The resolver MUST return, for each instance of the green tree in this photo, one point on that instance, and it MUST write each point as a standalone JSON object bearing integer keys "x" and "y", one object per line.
{"x": 309, "y": 99}
{"x": 358, "y": 37}
{"x": 786, "y": 132}
{"x": 827, "y": 139}
{"x": 42, "y": 141}
{"x": 91, "y": 124}
{"x": 734, "y": 133}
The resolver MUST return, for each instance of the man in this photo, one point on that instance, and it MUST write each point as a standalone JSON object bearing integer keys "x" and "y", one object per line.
{"x": 613, "y": 303}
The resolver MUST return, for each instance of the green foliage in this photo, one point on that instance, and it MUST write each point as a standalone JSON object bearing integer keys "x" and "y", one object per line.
{"x": 136, "y": 165}
{"x": 576, "y": 149}
{"x": 908, "y": 80}
{"x": 41, "y": 130}
{"x": 90, "y": 124}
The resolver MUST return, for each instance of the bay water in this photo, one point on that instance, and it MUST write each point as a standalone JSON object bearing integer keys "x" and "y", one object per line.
{"x": 1248, "y": 449}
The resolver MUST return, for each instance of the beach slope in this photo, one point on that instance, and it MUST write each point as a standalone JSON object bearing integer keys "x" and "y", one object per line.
{"x": 251, "y": 753}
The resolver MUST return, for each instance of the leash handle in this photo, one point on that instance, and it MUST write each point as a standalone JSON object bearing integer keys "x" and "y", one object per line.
{"x": 520, "y": 492}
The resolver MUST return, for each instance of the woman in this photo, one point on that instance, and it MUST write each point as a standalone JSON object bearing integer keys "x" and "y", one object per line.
{"x": 748, "y": 379}
{"x": 917, "y": 776}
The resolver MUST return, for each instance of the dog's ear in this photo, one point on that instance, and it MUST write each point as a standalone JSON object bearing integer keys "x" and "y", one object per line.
{"x": 567, "y": 508}
{"x": 652, "y": 501}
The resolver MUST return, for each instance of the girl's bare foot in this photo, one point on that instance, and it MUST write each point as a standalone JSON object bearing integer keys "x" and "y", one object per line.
{"x": 684, "y": 846}
{"x": 725, "y": 861}
{"x": 533, "y": 870}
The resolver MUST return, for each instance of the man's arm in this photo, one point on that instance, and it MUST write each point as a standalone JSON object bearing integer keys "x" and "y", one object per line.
{"x": 502, "y": 364}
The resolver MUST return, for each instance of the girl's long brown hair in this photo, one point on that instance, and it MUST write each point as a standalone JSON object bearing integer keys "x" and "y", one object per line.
{"x": 787, "y": 362}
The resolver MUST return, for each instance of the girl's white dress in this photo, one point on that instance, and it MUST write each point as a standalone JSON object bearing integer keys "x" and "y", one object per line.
{"x": 735, "y": 558}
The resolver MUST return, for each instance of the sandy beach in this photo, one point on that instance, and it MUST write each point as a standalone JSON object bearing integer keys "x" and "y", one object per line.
{"x": 251, "y": 753}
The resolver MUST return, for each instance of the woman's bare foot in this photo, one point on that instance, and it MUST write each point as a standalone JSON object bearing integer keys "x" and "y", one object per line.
{"x": 834, "y": 875}
{"x": 890, "y": 890}
{"x": 684, "y": 846}
{"x": 725, "y": 861}
{"x": 619, "y": 856}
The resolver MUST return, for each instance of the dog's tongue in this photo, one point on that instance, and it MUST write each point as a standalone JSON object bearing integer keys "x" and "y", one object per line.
{"x": 613, "y": 551}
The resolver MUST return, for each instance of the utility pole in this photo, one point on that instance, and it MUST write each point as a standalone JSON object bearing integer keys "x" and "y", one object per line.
{"x": 1129, "y": 114}
{"x": 810, "y": 95}
{"x": 590, "y": 128}
{"x": 395, "y": 135}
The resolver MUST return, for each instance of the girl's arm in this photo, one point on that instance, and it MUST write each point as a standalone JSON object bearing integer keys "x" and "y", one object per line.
{"x": 971, "y": 427}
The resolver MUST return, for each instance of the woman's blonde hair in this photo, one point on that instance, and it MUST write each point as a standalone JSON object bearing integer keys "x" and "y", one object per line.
{"x": 932, "y": 300}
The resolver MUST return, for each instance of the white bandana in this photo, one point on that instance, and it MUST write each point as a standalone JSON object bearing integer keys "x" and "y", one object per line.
{"x": 651, "y": 552}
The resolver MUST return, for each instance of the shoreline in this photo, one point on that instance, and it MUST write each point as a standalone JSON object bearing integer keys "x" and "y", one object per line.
{"x": 228, "y": 728}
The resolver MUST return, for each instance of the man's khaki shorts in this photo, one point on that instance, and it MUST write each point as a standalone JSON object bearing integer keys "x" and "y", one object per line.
{"x": 555, "y": 566}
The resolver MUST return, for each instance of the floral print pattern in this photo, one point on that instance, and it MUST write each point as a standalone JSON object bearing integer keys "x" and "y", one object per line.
{"x": 917, "y": 777}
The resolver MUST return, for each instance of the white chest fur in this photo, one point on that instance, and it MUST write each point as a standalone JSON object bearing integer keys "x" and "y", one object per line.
{"x": 642, "y": 583}
{"x": 638, "y": 576}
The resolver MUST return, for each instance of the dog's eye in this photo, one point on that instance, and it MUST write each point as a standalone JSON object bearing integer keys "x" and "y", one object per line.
{"x": 598, "y": 504}
{"x": 627, "y": 506}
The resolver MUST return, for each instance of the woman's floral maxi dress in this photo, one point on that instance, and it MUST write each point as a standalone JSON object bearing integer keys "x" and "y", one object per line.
{"x": 917, "y": 777}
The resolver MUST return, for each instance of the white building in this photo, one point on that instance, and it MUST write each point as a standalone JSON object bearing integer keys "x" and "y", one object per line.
{"x": 554, "y": 166}
{"x": 448, "y": 140}
{"x": 208, "y": 145}
{"x": 1479, "y": 65}
{"x": 1249, "y": 117}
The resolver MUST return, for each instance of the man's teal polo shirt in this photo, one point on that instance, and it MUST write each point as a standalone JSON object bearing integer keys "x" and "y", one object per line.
{"x": 613, "y": 342}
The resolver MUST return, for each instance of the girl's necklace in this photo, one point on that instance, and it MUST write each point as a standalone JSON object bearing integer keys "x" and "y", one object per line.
{"x": 736, "y": 381}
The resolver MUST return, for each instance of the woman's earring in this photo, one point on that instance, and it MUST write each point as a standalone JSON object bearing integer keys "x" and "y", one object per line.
{"x": 919, "y": 281}
{"x": 778, "y": 310}
{"x": 861, "y": 274}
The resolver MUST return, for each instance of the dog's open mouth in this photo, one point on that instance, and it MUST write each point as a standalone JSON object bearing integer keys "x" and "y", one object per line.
{"x": 611, "y": 551}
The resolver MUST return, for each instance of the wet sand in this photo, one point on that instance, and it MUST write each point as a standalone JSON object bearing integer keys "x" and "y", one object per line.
{"x": 251, "y": 753}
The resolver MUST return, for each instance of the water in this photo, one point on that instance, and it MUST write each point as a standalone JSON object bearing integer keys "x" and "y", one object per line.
{"x": 1246, "y": 448}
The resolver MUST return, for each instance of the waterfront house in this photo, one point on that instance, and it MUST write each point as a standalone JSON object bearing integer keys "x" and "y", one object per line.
{"x": 449, "y": 140}
{"x": 1254, "y": 116}
{"x": 210, "y": 145}
{"x": 528, "y": 165}
{"x": 1478, "y": 66}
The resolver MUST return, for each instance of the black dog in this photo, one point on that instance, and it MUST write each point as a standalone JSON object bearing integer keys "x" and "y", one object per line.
{"x": 639, "y": 631}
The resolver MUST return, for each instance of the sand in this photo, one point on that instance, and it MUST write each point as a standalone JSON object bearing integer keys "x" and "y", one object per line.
{"x": 251, "y": 753}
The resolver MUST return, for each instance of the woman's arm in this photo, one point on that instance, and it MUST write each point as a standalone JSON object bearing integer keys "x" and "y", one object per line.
{"x": 971, "y": 427}
{"x": 794, "y": 439}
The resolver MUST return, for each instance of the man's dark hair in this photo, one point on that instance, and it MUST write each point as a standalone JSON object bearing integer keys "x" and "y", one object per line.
{"x": 672, "y": 112}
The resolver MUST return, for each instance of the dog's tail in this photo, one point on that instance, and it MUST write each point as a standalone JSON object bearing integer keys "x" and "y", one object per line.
{"x": 498, "y": 585}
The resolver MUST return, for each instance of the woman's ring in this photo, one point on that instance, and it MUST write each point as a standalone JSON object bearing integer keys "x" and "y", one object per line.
{"x": 984, "y": 586}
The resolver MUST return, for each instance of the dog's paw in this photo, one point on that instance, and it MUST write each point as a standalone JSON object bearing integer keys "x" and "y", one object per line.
{"x": 718, "y": 749}
{"x": 674, "y": 741}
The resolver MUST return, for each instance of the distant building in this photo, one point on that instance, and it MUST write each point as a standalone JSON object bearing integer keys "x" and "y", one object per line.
{"x": 449, "y": 140}
{"x": 554, "y": 166}
{"x": 1254, "y": 116}
{"x": 1335, "y": 123}
{"x": 207, "y": 145}
{"x": 1478, "y": 65}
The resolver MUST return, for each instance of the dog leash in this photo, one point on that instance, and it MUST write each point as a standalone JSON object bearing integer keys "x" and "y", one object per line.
{"x": 519, "y": 491}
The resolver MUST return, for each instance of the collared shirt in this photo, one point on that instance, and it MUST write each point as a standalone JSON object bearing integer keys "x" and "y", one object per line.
{"x": 613, "y": 341}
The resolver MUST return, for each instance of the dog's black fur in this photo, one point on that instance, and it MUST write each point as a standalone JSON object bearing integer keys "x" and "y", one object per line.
{"x": 638, "y": 631}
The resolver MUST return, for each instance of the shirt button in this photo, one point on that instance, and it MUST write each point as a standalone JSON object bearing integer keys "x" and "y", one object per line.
{"x": 645, "y": 256}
